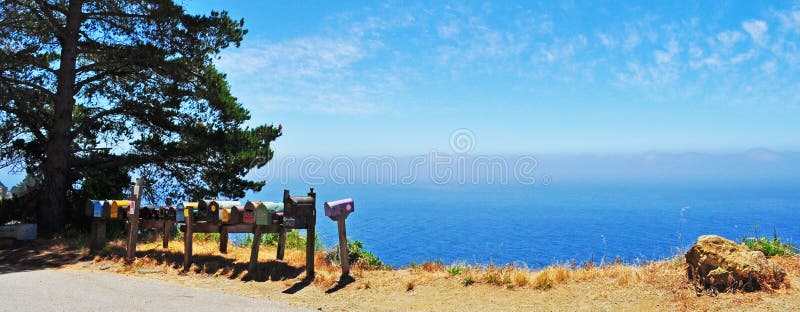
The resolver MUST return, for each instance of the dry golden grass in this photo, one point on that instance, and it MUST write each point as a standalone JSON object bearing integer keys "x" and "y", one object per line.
{"x": 658, "y": 285}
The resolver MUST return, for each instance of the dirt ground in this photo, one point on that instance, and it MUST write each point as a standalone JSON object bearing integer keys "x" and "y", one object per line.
{"x": 658, "y": 286}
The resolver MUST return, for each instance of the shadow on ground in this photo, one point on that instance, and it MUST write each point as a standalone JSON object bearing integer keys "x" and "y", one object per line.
{"x": 39, "y": 254}
{"x": 46, "y": 254}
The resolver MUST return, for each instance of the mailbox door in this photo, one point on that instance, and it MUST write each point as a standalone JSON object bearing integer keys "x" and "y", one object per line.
{"x": 262, "y": 215}
{"x": 179, "y": 216}
{"x": 225, "y": 215}
{"x": 98, "y": 210}
{"x": 249, "y": 216}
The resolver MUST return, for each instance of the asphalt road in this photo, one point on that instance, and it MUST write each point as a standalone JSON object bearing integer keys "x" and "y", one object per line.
{"x": 61, "y": 290}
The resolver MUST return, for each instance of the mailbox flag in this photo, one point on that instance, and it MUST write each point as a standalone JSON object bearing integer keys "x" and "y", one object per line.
{"x": 337, "y": 208}
{"x": 184, "y": 209}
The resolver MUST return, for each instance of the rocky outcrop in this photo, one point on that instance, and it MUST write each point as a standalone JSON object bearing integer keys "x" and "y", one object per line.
{"x": 719, "y": 264}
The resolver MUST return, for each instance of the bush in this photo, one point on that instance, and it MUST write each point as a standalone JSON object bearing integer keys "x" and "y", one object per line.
{"x": 770, "y": 247}
{"x": 294, "y": 240}
{"x": 358, "y": 256}
{"x": 467, "y": 281}
{"x": 454, "y": 270}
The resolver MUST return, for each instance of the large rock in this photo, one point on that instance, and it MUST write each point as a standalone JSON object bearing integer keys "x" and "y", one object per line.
{"x": 721, "y": 264}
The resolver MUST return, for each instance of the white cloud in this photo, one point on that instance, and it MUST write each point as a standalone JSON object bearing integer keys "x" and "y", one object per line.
{"x": 768, "y": 67}
{"x": 790, "y": 20}
{"x": 757, "y": 30}
{"x": 308, "y": 74}
{"x": 729, "y": 38}
{"x": 607, "y": 41}
{"x": 632, "y": 40}
{"x": 665, "y": 56}
{"x": 562, "y": 50}
{"x": 448, "y": 30}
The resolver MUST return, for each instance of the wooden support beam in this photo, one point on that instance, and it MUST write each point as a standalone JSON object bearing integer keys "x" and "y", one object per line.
{"x": 344, "y": 254}
{"x": 310, "y": 243}
{"x": 133, "y": 218}
{"x": 223, "y": 240}
{"x": 98, "y": 234}
{"x": 168, "y": 224}
{"x": 253, "y": 268}
{"x": 281, "y": 243}
{"x": 187, "y": 241}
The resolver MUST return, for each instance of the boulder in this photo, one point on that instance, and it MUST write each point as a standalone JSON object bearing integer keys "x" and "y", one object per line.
{"x": 719, "y": 264}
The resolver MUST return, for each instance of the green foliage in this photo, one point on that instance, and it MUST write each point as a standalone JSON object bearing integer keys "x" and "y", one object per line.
{"x": 294, "y": 240}
{"x": 78, "y": 80}
{"x": 213, "y": 237}
{"x": 467, "y": 281}
{"x": 358, "y": 255}
{"x": 770, "y": 246}
{"x": 21, "y": 209}
{"x": 454, "y": 270}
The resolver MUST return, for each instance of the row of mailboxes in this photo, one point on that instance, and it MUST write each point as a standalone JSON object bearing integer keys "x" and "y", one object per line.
{"x": 231, "y": 212}
{"x": 107, "y": 209}
{"x": 293, "y": 212}
{"x": 157, "y": 213}
{"x": 116, "y": 209}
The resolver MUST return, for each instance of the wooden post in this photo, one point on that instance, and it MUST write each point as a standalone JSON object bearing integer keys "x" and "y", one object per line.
{"x": 281, "y": 243}
{"x": 168, "y": 224}
{"x": 344, "y": 253}
{"x": 310, "y": 244}
{"x": 187, "y": 240}
{"x": 133, "y": 218}
{"x": 253, "y": 268}
{"x": 98, "y": 234}
{"x": 223, "y": 239}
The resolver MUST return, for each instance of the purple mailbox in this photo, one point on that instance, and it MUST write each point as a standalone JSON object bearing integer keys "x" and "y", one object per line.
{"x": 339, "y": 208}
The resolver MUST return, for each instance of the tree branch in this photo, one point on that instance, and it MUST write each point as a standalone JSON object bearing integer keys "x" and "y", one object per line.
{"x": 28, "y": 84}
{"x": 92, "y": 120}
{"x": 51, "y": 19}
{"x": 22, "y": 116}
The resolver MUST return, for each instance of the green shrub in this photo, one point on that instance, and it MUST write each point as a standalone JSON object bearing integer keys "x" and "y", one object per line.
{"x": 454, "y": 270}
{"x": 358, "y": 255}
{"x": 207, "y": 237}
{"x": 467, "y": 281}
{"x": 770, "y": 247}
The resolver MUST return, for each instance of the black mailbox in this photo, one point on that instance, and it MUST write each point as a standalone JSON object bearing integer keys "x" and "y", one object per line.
{"x": 171, "y": 213}
{"x": 147, "y": 213}
{"x": 206, "y": 212}
{"x": 300, "y": 211}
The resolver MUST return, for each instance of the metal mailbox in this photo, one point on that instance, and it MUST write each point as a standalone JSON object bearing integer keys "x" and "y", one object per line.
{"x": 299, "y": 211}
{"x": 265, "y": 210}
{"x": 249, "y": 213}
{"x": 94, "y": 208}
{"x": 111, "y": 208}
{"x": 339, "y": 208}
{"x": 185, "y": 208}
{"x": 147, "y": 213}
{"x": 223, "y": 209}
{"x": 235, "y": 215}
{"x": 204, "y": 212}
{"x": 116, "y": 206}
{"x": 170, "y": 213}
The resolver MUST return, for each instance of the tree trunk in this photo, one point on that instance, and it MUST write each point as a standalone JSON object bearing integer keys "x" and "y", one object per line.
{"x": 56, "y": 167}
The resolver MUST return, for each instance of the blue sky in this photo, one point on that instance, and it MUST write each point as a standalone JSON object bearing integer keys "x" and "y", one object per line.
{"x": 594, "y": 77}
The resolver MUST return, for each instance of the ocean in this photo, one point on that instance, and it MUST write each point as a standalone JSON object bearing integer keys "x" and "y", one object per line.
{"x": 540, "y": 225}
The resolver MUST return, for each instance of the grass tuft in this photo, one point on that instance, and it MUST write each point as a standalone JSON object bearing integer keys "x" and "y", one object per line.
{"x": 770, "y": 246}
